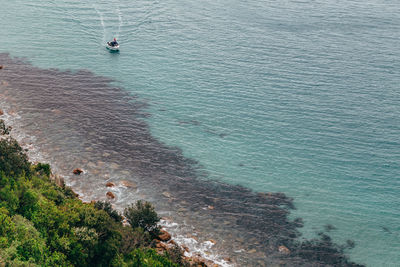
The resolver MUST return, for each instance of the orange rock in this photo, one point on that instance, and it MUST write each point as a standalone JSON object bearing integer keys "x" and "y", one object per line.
{"x": 185, "y": 248}
{"x": 160, "y": 245}
{"x": 227, "y": 259}
{"x": 283, "y": 249}
{"x": 110, "y": 195}
{"x": 110, "y": 184}
{"x": 164, "y": 235}
{"x": 77, "y": 171}
{"x": 213, "y": 241}
{"x": 210, "y": 207}
{"x": 1, "y": 112}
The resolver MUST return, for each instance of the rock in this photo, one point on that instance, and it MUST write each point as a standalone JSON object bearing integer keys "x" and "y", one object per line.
{"x": 77, "y": 171}
{"x": 56, "y": 111}
{"x": 110, "y": 195}
{"x": 110, "y": 184}
{"x": 166, "y": 194}
{"x": 58, "y": 180}
{"x": 185, "y": 248}
{"x": 114, "y": 166}
{"x": 193, "y": 237}
{"x": 210, "y": 207}
{"x": 1, "y": 67}
{"x": 91, "y": 165}
{"x": 284, "y": 250}
{"x": 251, "y": 251}
{"x": 197, "y": 261}
{"x": 1, "y": 112}
{"x": 227, "y": 259}
{"x": 129, "y": 184}
{"x": 161, "y": 245}
{"x": 182, "y": 209}
{"x": 213, "y": 241}
{"x": 164, "y": 235}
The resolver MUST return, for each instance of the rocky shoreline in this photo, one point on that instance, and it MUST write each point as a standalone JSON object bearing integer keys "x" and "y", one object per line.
{"x": 164, "y": 243}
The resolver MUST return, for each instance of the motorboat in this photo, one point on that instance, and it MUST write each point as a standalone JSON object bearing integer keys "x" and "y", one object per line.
{"x": 112, "y": 47}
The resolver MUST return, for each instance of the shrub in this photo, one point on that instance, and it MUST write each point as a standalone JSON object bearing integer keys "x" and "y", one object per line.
{"x": 42, "y": 168}
{"x": 13, "y": 161}
{"x": 142, "y": 214}
{"x": 131, "y": 240}
{"x": 148, "y": 258}
{"x": 106, "y": 206}
{"x": 4, "y": 130}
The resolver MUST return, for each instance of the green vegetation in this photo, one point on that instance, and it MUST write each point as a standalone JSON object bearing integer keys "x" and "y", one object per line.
{"x": 142, "y": 214}
{"x": 42, "y": 224}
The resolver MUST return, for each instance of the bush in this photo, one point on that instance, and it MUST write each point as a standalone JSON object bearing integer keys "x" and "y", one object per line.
{"x": 142, "y": 214}
{"x": 148, "y": 258}
{"x": 13, "y": 161}
{"x": 4, "y": 130}
{"x": 106, "y": 206}
{"x": 42, "y": 168}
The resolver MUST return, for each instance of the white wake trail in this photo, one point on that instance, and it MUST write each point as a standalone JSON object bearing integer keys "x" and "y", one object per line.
{"x": 102, "y": 23}
{"x": 120, "y": 22}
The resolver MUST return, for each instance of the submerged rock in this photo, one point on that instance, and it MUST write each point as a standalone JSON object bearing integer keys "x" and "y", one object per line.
{"x": 128, "y": 184}
{"x": 284, "y": 250}
{"x": 166, "y": 194}
{"x": 77, "y": 171}
{"x": 110, "y": 184}
{"x": 110, "y": 195}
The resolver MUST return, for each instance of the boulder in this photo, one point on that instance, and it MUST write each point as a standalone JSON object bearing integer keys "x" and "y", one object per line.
{"x": 110, "y": 195}
{"x": 77, "y": 171}
{"x": 197, "y": 261}
{"x": 164, "y": 236}
{"x": 58, "y": 180}
{"x": 110, "y": 184}
{"x": 185, "y": 248}
{"x": 284, "y": 250}
{"x": 129, "y": 184}
{"x": 166, "y": 194}
{"x": 161, "y": 246}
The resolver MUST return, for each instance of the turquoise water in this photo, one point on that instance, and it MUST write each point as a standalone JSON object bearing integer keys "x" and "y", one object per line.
{"x": 300, "y": 97}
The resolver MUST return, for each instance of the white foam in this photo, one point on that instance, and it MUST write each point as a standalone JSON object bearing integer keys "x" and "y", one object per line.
{"x": 196, "y": 248}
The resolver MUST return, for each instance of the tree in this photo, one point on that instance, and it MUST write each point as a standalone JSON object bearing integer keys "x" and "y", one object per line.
{"x": 142, "y": 214}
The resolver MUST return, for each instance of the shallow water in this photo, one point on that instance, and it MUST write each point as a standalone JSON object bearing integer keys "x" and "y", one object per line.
{"x": 297, "y": 97}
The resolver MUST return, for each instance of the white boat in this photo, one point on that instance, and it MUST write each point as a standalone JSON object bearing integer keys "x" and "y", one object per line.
{"x": 112, "y": 47}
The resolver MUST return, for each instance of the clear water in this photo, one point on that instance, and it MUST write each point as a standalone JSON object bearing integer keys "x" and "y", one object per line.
{"x": 300, "y": 97}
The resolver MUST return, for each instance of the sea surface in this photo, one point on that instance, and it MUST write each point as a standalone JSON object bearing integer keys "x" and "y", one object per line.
{"x": 209, "y": 103}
